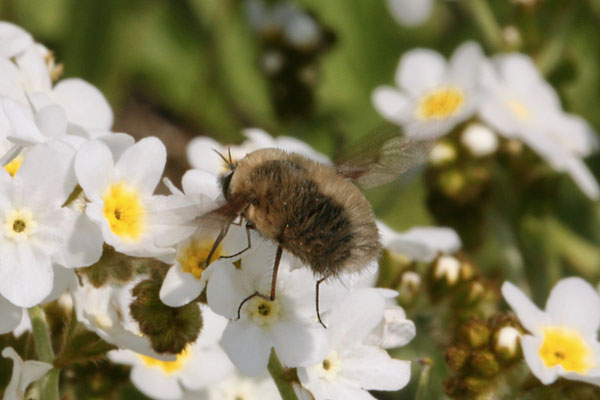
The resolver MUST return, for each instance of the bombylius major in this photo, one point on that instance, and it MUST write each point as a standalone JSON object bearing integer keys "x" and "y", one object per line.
{"x": 313, "y": 210}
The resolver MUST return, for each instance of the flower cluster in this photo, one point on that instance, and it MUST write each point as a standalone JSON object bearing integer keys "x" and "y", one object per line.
{"x": 505, "y": 93}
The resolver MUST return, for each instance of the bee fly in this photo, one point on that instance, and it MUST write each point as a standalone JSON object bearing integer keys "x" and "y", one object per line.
{"x": 313, "y": 210}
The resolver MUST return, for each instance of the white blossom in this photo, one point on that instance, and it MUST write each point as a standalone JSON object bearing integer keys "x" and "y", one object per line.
{"x": 23, "y": 374}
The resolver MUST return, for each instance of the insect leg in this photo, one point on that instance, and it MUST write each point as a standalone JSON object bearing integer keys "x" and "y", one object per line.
{"x": 275, "y": 269}
{"x": 317, "y": 299}
{"x": 248, "y": 236}
{"x": 253, "y": 295}
{"x": 218, "y": 241}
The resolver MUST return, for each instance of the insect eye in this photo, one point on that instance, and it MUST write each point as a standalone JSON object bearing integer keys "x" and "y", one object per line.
{"x": 225, "y": 180}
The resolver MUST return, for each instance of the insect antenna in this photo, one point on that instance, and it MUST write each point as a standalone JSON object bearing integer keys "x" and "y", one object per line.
{"x": 229, "y": 161}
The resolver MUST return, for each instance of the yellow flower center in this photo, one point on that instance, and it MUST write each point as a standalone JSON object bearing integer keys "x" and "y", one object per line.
{"x": 519, "y": 109}
{"x": 440, "y": 103}
{"x": 19, "y": 224}
{"x": 566, "y": 347}
{"x": 192, "y": 255}
{"x": 13, "y": 166}
{"x": 263, "y": 312}
{"x": 168, "y": 367}
{"x": 124, "y": 211}
{"x": 329, "y": 367}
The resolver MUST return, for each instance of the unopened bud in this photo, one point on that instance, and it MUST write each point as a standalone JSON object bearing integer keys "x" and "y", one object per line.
{"x": 452, "y": 182}
{"x": 475, "y": 384}
{"x": 480, "y": 140}
{"x": 484, "y": 363}
{"x": 476, "y": 290}
{"x": 507, "y": 342}
{"x": 408, "y": 288}
{"x": 456, "y": 357}
{"x": 475, "y": 333}
{"x": 443, "y": 153}
{"x": 447, "y": 268}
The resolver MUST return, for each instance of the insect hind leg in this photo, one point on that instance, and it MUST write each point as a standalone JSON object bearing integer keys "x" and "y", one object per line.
{"x": 317, "y": 299}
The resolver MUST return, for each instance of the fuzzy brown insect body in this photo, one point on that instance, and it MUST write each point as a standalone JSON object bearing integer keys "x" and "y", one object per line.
{"x": 307, "y": 208}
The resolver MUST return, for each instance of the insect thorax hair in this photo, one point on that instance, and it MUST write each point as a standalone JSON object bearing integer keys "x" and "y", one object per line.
{"x": 308, "y": 209}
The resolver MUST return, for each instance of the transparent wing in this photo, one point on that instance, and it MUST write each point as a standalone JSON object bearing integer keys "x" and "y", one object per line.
{"x": 382, "y": 156}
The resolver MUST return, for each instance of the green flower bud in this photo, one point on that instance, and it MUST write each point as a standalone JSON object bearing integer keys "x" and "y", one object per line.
{"x": 484, "y": 363}
{"x": 475, "y": 333}
{"x": 456, "y": 357}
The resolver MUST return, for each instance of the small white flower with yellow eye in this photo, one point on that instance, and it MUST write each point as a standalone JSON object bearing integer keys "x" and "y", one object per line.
{"x": 563, "y": 339}
{"x": 121, "y": 199}
{"x": 432, "y": 95}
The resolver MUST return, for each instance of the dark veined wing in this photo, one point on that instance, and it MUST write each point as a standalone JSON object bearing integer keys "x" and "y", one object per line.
{"x": 381, "y": 156}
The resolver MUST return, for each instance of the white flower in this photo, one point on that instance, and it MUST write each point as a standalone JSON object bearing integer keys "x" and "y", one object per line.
{"x": 199, "y": 365}
{"x": 410, "y": 13}
{"x": 432, "y": 95}
{"x": 239, "y": 387}
{"x": 201, "y": 150}
{"x": 13, "y": 39}
{"x": 353, "y": 365}
{"x": 480, "y": 140}
{"x": 419, "y": 243}
{"x": 520, "y": 104}
{"x": 37, "y": 230}
{"x": 287, "y": 324}
{"x": 105, "y": 311}
{"x": 563, "y": 339}
{"x": 121, "y": 197}
{"x": 23, "y": 374}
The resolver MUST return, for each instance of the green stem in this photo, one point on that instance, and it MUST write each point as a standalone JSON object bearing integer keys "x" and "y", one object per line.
{"x": 43, "y": 345}
{"x": 281, "y": 377}
{"x": 486, "y": 22}
{"x": 424, "y": 378}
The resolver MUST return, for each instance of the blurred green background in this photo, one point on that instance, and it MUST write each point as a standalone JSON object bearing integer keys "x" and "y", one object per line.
{"x": 181, "y": 68}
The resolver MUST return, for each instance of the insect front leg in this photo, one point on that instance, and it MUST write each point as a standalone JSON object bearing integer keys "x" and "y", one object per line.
{"x": 275, "y": 269}
{"x": 249, "y": 226}
{"x": 317, "y": 299}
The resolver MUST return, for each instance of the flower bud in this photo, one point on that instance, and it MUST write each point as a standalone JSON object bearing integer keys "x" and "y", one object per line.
{"x": 475, "y": 384}
{"x": 475, "y": 333}
{"x": 507, "y": 342}
{"x": 484, "y": 363}
{"x": 443, "y": 153}
{"x": 452, "y": 182}
{"x": 408, "y": 288}
{"x": 456, "y": 357}
{"x": 480, "y": 140}
{"x": 447, "y": 268}
{"x": 169, "y": 329}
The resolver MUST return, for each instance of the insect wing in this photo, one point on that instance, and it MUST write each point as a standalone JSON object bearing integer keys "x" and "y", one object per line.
{"x": 382, "y": 156}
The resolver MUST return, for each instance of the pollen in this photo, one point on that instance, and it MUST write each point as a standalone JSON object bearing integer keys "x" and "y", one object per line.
{"x": 13, "y": 166}
{"x": 192, "y": 255}
{"x": 168, "y": 367}
{"x": 565, "y": 347}
{"x": 124, "y": 211}
{"x": 519, "y": 109}
{"x": 263, "y": 312}
{"x": 440, "y": 104}
{"x": 19, "y": 224}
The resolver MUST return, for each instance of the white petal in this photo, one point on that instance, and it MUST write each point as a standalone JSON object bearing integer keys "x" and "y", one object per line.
{"x": 518, "y": 69}
{"x": 48, "y": 169}
{"x": 225, "y": 291}
{"x": 21, "y": 120}
{"x": 466, "y": 63}
{"x": 531, "y": 351}
{"x": 591, "y": 376}
{"x": 353, "y": 318}
{"x": 143, "y": 163}
{"x": 83, "y": 246}
{"x": 206, "y": 367}
{"x": 201, "y": 155}
{"x": 391, "y": 104}
{"x": 410, "y": 13}
{"x": 374, "y": 369}
{"x": 530, "y": 316}
{"x": 23, "y": 374}
{"x": 420, "y": 243}
{"x": 117, "y": 143}
{"x": 26, "y": 276}
{"x": 247, "y": 347}
{"x": 93, "y": 167}
{"x": 13, "y": 40}
{"x": 179, "y": 288}
{"x": 63, "y": 279}
{"x": 33, "y": 66}
{"x": 52, "y": 121}
{"x": 574, "y": 303}
{"x": 154, "y": 383}
{"x": 300, "y": 343}
{"x": 10, "y": 315}
{"x": 584, "y": 178}
{"x": 201, "y": 182}
{"x": 421, "y": 70}
{"x": 394, "y": 330}
{"x": 85, "y": 105}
